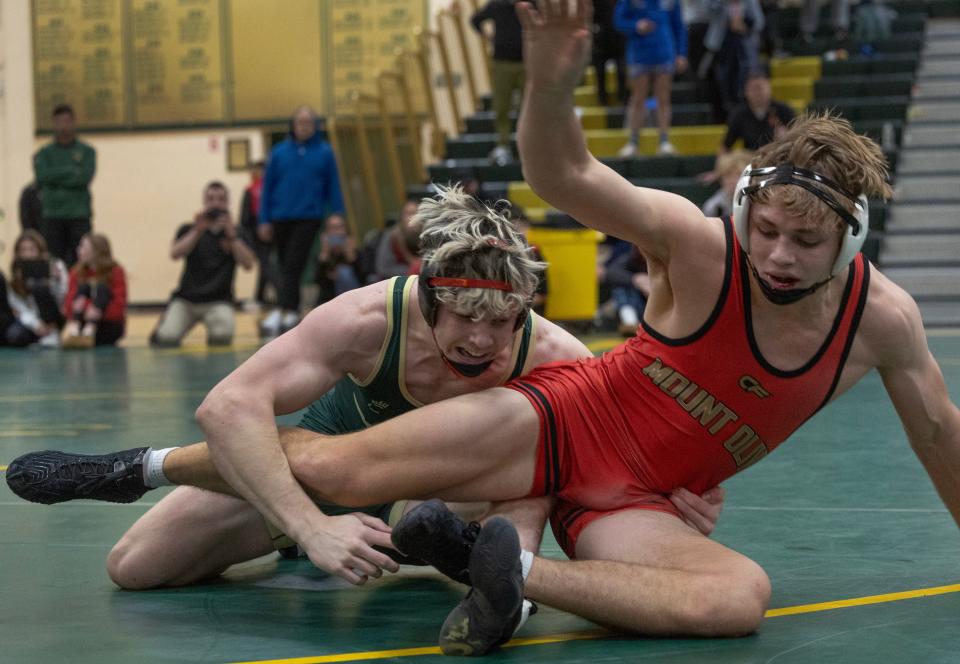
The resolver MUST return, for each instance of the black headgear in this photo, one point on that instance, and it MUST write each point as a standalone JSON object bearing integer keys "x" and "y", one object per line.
{"x": 856, "y": 225}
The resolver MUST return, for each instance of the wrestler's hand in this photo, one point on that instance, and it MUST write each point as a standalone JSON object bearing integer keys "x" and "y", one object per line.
{"x": 556, "y": 41}
{"x": 700, "y": 512}
{"x": 343, "y": 545}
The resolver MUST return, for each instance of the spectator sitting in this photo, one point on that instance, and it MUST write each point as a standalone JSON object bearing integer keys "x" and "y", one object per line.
{"x": 399, "y": 245}
{"x": 760, "y": 118}
{"x": 96, "y": 305}
{"x": 729, "y": 168}
{"x": 757, "y": 121}
{"x": 212, "y": 250}
{"x": 336, "y": 261}
{"x": 608, "y": 251}
{"x": 627, "y": 275}
{"x": 38, "y": 285}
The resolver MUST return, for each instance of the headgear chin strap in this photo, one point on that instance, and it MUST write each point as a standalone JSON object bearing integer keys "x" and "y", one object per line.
{"x": 856, "y": 225}
{"x": 784, "y": 296}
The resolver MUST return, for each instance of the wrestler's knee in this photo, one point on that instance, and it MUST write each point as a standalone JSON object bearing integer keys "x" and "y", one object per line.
{"x": 732, "y": 604}
{"x": 126, "y": 568}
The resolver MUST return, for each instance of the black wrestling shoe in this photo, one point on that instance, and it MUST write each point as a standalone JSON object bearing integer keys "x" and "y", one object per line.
{"x": 432, "y": 533}
{"x": 490, "y": 613}
{"x": 54, "y": 477}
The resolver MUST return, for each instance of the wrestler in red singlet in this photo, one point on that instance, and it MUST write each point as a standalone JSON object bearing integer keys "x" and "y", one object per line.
{"x": 623, "y": 430}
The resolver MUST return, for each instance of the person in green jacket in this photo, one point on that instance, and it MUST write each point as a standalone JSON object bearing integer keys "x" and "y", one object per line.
{"x": 64, "y": 170}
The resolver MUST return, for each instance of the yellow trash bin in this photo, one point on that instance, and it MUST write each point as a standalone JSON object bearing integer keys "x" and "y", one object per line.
{"x": 572, "y": 272}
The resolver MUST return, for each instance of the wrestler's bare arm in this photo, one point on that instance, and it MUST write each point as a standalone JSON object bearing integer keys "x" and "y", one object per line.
{"x": 916, "y": 387}
{"x": 684, "y": 251}
{"x": 285, "y": 375}
{"x": 556, "y": 161}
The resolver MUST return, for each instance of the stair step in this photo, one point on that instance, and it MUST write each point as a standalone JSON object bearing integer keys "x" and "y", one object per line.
{"x": 913, "y": 188}
{"x": 934, "y": 111}
{"x": 936, "y": 89}
{"x": 905, "y": 218}
{"x": 915, "y": 161}
{"x": 932, "y": 136}
{"x": 941, "y": 27}
{"x": 927, "y": 282}
{"x": 945, "y": 46}
{"x": 921, "y": 249}
{"x": 940, "y": 314}
{"x": 940, "y": 67}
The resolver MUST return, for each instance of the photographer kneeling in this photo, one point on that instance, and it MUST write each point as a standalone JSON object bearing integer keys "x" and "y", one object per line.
{"x": 212, "y": 250}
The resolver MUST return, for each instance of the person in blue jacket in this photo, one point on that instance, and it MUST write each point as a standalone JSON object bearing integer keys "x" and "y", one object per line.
{"x": 301, "y": 187}
{"x": 656, "y": 47}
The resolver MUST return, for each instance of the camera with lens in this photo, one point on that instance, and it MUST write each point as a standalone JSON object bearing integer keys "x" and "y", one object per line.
{"x": 213, "y": 215}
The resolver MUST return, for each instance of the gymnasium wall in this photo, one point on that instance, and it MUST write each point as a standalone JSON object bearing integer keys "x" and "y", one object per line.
{"x": 147, "y": 183}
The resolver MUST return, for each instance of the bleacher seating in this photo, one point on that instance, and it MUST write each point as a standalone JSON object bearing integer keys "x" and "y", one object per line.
{"x": 873, "y": 92}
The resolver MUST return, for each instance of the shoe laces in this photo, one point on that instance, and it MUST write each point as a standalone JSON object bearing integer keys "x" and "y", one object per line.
{"x": 96, "y": 480}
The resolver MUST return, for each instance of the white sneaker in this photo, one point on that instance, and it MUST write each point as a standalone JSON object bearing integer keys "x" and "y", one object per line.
{"x": 666, "y": 148}
{"x": 270, "y": 326}
{"x": 500, "y": 155}
{"x": 628, "y": 316}
{"x": 51, "y": 340}
{"x": 628, "y": 150}
{"x": 289, "y": 321}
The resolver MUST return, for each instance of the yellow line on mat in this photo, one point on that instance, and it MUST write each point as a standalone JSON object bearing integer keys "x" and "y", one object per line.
{"x": 433, "y": 650}
{"x": 862, "y": 601}
{"x": 596, "y": 634}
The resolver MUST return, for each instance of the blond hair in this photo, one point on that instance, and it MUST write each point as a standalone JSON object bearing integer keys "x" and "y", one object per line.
{"x": 733, "y": 162}
{"x": 462, "y": 237}
{"x": 828, "y": 145}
